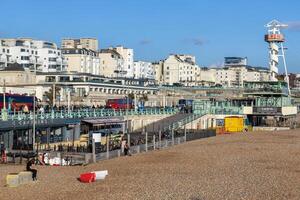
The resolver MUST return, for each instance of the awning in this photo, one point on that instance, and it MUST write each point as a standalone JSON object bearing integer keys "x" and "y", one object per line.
{"x": 104, "y": 121}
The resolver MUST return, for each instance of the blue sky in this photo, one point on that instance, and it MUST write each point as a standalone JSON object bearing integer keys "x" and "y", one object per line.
{"x": 208, "y": 29}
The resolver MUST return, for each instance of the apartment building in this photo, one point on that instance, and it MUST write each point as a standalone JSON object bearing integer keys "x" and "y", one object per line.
{"x": 180, "y": 69}
{"x": 294, "y": 79}
{"x": 297, "y": 81}
{"x": 143, "y": 70}
{"x": 127, "y": 56}
{"x": 31, "y": 54}
{"x": 234, "y": 76}
{"x": 111, "y": 63}
{"x": 81, "y": 43}
{"x": 207, "y": 76}
{"x": 158, "y": 71}
{"x": 82, "y": 60}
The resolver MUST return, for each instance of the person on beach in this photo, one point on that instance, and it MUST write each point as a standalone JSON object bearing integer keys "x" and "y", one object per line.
{"x": 126, "y": 149}
{"x": 33, "y": 171}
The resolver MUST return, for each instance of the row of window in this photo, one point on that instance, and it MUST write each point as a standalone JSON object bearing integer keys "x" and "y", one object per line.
{"x": 27, "y": 50}
{"x": 34, "y": 52}
{"x": 52, "y": 59}
{"x": 184, "y": 67}
{"x": 51, "y": 51}
{"x": 3, "y": 50}
{"x": 24, "y": 57}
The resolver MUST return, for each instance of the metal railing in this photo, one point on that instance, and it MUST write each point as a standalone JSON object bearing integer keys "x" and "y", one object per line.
{"x": 184, "y": 121}
{"x": 199, "y": 113}
{"x": 156, "y": 143}
{"x": 142, "y": 148}
{"x": 85, "y": 113}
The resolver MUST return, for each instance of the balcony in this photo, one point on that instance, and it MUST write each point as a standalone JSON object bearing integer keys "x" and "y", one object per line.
{"x": 2, "y": 60}
{"x": 39, "y": 62}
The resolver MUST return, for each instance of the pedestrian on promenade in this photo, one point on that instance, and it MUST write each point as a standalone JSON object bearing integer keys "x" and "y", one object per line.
{"x": 33, "y": 171}
{"x": 123, "y": 143}
{"x": 3, "y": 154}
{"x": 126, "y": 149}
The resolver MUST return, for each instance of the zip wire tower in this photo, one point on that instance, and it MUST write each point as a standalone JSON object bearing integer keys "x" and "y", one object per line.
{"x": 276, "y": 39}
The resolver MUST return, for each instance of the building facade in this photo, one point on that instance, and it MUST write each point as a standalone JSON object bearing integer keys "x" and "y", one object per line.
{"x": 32, "y": 54}
{"x": 207, "y": 76}
{"x": 158, "y": 71}
{"x": 234, "y": 76}
{"x": 127, "y": 56}
{"x": 111, "y": 63}
{"x": 180, "y": 69}
{"x": 143, "y": 70}
{"x": 82, "y": 60}
{"x": 86, "y": 43}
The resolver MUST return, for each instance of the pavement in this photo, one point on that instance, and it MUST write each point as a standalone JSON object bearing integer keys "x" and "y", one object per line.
{"x": 260, "y": 165}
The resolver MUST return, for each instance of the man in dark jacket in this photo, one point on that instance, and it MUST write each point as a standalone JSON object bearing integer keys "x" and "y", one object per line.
{"x": 28, "y": 168}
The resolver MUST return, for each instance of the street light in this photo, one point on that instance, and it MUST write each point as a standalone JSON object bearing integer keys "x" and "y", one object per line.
{"x": 34, "y": 122}
{"x": 69, "y": 100}
{"x": 4, "y": 111}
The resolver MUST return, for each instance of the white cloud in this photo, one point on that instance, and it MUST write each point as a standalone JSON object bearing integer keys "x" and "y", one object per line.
{"x": 294, "y": 26}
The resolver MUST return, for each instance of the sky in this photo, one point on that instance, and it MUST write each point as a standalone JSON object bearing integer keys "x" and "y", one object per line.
{"x": 208, "y": 29}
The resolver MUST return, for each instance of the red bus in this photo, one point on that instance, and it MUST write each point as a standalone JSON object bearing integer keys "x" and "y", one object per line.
{"x": 119, "y": 103}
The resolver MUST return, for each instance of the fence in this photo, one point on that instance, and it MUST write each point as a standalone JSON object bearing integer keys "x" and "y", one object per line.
{"x": 149, "y": 143}
{"x": 84, "y": 113}
{"x": 154, "y": 143}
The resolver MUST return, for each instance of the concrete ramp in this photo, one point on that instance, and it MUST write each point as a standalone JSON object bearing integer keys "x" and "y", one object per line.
{"x": 165, "y": 122}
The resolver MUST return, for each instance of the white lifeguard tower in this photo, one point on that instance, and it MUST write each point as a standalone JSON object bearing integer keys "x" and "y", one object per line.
{"x": 276, "y": 39}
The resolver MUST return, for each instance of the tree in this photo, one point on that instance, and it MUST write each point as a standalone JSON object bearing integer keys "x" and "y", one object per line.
{"x": 144, "y": 98}
{"x": 49, "y": 94}
{"x": 130, "y": 96}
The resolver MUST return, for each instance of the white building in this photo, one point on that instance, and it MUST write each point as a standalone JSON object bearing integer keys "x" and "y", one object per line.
{"x": 127, "y": 55}
{"x": 82, "y": 60}
{"x": 111, "y": 63}
{"x": 235, "y": 72}
{"x": 32, "y": 54}
{"x": 143, "y": 70}
{"x": 207, "y": 76}
{"x": 180, "y": 69}
{"x": 225, "y": 77}
{"x": 234, "y": 76}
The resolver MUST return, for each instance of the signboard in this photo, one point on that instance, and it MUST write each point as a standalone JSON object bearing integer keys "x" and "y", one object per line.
{"x": 97, "y": 137}
{"x": 267, "y": 110}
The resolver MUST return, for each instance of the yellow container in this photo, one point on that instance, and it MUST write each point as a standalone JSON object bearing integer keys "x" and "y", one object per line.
{"x": 234, "y": 124}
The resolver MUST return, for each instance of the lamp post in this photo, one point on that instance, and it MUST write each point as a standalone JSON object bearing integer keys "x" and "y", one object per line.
{"x": 4, "y": 111}
{"x": 127, "y": 106}
{"x": 4, "y": 100}
{"x": 53, "y": 95}
{"x": 69, "y": 100}
{"x": 34, "y": 122}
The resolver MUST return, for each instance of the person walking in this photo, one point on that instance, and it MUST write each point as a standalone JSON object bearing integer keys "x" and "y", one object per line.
{"x": 3, "y": 154}
{"x": 126, "y": 149}
{"x": 33, "y": 171}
